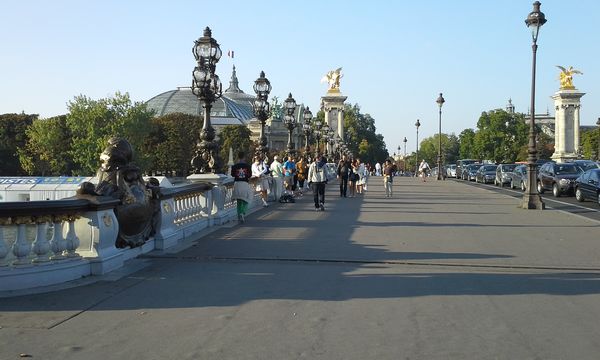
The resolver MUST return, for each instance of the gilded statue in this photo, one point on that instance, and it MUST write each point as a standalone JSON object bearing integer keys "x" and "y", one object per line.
{"x": 566, "y": 77}
{"x": 333, "y": 79}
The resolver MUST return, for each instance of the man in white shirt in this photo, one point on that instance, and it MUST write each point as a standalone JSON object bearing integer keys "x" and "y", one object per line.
{"x": 277, "y": 172}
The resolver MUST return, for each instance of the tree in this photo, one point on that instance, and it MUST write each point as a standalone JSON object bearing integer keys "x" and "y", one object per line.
{"x": 499, "y": 136}
{"x": 360, "y": 128}
{"x": 428, "y": 148}
{"x": 589, "y": 144}
{"x": 171, "y": 143}
{"x": 236, "y": 137}
{"x": 93, "y": 122}
{"x": 46, "y": 151}
{"x": 466, "y": 141}
{"x": 13, "y": 137}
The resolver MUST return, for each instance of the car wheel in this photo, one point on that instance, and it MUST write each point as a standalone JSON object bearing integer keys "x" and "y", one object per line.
{"x": 555, "y": 190}
{"x": 540, "y": 188}
{"x": 578, "y": 195}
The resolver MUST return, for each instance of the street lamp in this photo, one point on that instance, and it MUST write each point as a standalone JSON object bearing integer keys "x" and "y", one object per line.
{"x": 598, "y": 123}
{"x": 404, "y": 167}
{"x": 207, "y": 87}
{"x": 440, "y": 101}
{"x": 306, "y": 128}
{"x": 417, "y": 124}
{"x": 531, "y": 198}
{"x": 290, "y": 121}
{"x": 317, "y": 132}
{"x": 262, "y": 88}
{"x": 325, "y": 136}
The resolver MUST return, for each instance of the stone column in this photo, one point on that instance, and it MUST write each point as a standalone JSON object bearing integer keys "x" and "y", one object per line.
{"x": 566, "y": 127}
{"x": 334, "y": 101}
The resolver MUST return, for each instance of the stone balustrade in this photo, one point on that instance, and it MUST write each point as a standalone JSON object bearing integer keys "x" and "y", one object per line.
{"x": 48, "y": 242}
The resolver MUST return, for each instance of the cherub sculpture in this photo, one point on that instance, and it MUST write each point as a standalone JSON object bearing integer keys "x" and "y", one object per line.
{"x": 333, "y": 79}
{"x": 566, "y": 77}
{"x": 120, "y": 179}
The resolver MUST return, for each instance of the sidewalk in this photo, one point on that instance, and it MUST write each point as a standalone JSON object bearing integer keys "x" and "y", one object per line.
{"x": 440, "y": 271}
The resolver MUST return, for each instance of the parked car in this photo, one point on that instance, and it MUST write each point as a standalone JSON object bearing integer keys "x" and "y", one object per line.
{"x": 587, "y": 186}
{"x": 502, "y": 174}
{"x": 518, "y": 177}
{"x": 470, "y": 171}
{"x": 485, "y": 174}
{"x": 587, "y": 164}
{"x": 451, "y": 170}
{"x": 460, "y": 165}
{"x": 558, "y": 177}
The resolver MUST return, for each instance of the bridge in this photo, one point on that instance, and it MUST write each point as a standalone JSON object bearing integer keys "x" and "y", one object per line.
{"x": 443, "y": 270}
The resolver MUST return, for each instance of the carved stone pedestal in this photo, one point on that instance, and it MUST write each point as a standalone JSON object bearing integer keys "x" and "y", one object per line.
{"x": 566, "y": 142}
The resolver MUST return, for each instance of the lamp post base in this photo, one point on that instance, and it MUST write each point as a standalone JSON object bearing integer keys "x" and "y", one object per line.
{"x": 532, "y": 202}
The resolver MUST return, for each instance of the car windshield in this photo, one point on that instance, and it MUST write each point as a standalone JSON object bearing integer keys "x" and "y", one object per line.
{"x": 586, "y": 165}
{"x": 508, "y": 167}
{"x": 566, "y": 169}
{"x": 490, "y": 168}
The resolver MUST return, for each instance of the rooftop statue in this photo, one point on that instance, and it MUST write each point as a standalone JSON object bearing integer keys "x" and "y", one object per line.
{"x": 333, "y": 79}
{"x": 566, "y": 77}
{"x": 120, "y": 179}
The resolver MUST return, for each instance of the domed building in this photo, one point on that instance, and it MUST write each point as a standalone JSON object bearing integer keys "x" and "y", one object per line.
{"x": 234, "y": 107}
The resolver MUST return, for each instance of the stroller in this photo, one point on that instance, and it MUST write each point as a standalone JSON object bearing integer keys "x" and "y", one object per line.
{"x": 288, "y": 193}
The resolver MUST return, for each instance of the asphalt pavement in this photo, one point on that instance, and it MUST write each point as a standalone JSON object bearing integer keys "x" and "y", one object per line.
{"x": 442, "y": 270}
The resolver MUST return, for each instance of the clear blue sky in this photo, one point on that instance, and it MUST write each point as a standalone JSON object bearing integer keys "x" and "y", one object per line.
{"x": 397, "y": 56}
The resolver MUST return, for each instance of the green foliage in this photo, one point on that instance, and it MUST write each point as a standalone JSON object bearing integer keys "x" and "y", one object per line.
{"x": 46, "y": 151}
{"x": 466, "y": 140}
{"x": 361, "y": 138}
{"x": 589, "y": 144}
{"x": 499, "y": 136}
{"x": 429, "y": 148}
{"x": 12, "y": 138}
{"x": 236, "y": 137}
{"x": 93, "y": 122}
{"x": 171, "y": 143}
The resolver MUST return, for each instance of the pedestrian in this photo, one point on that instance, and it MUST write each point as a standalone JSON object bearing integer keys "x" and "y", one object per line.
{"x": 289, "y": 169}
{"x": 388, "y": 178}
{"x": 378, "y": 169}
{"x": 343, "y": 171}
{"x": 360, "y": 170}
{"x": 241, "y": 173}
{"x": 317, "y": 178}
{"x": 424, "y": 169}
{"x": 352, "y": 178}
{"x": 259, "y": 172}
{"x": 277, "y": 173}
{"x": 301, "y": 171}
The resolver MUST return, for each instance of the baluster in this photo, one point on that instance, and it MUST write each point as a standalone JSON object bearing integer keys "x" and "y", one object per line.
{"x": 21, "y": 247}
{"x": 178, "y": 210}
{"x": 41, "y": 246}
{"x": 72, "y": 239}
{"x": 58, "y": 244}
{"x": 3, "y": 246}
{"x": 197, "y": 207}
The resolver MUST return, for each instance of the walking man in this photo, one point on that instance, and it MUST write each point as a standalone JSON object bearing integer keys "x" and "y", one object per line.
{"x": 388, "y": 177}
{"x": 317, "y": 180}
{"x": 277, "y": 172}
{"x": 241, "y": 173}
{"x": 343, "y": 171}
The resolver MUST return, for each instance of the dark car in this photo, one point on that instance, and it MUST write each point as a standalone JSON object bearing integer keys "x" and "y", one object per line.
{"x": 503, "y": 174}
{"x": 586, "y": 165}
{"x": 469, "y": 172}
{"x": 558, "y": 177}
{"x": 587, "y": 186}
{"x": 486, "y": 174}
{"x": 518, "y": 177}
{"x": 461, "y": 165}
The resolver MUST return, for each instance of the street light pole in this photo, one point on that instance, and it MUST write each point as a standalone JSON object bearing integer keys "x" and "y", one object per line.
{"x": 417, "y": 124}
{"x": 306, "y": 128}
{"x": 404, "y": 167}
{"x": 440, "y": 101}
{"x": 598, "y": 156}
{"x": 290, "y": 121}
{"x": 262, "y": 88}
{"x": 207, "y": 87}
{"x": 531, "y": 198}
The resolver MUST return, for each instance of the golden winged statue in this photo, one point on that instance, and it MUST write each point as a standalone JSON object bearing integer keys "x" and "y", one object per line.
{"x": 333, "y": 79}
{"x": 566, "y": 77}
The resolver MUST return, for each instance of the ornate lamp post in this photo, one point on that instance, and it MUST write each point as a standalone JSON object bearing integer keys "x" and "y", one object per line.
{"x": 262, "y": 88}
{"x": 404, "y": 141}
{"x": 317, "y": 133}
{"x": 598, "y": 123}
{"x": 331, "y": 141}
{"x": 531, "y": 198}
{"x": 290, "y": 121}
{"x": 440, "y": 101}
{"x": 207, "y": 87}
{"x": 417, "y": 125}
{"x": 306, "y": 129}
{"x": 325, "y": 136}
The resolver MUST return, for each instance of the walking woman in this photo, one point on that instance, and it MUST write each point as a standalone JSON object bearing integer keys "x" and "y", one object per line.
{"x": 352, "y": 178}
{"x": 360, "y": 170}
{"x": 241, "y": 173}
{"x": 259, "y": 171}
{"x": 388, "y": 177}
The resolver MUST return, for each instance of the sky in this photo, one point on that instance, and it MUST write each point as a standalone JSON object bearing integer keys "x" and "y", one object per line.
{"x": 397, "y": 56}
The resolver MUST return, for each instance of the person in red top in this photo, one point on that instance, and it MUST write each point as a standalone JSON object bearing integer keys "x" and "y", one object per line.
{"x": 242, "y": 192}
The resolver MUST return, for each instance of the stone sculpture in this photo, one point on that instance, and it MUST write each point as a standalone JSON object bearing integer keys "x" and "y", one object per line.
{"x": 118, "y": 178}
